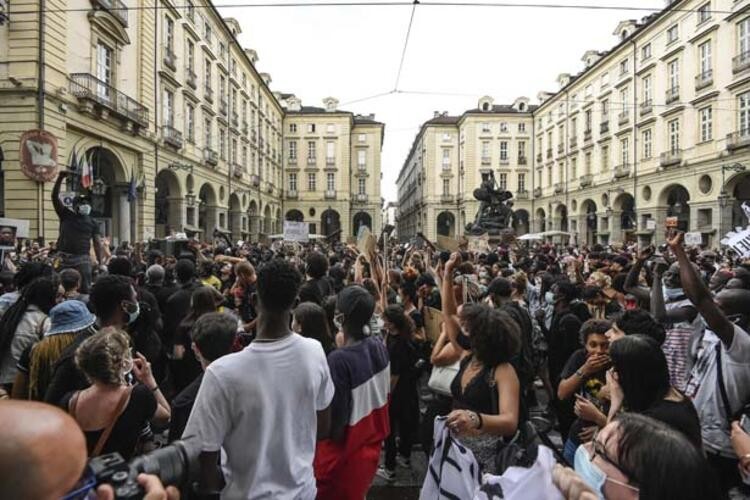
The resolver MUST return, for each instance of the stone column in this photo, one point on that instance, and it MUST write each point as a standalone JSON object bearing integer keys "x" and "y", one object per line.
{"x": 177, "y": 216}
{"x": 123, "y": 215}
{"x": 235, "y": 224}
{"x": 211, "y": 222}
{"x": 616, "y": 233}
{"x": 723, "y": 218}
{"x": 254, "y": 230}
{"x": 660, "y": 215}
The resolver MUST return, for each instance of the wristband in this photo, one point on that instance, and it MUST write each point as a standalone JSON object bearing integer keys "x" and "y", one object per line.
{"x": 481, "y": 421}
{"x": 580, "y": 373}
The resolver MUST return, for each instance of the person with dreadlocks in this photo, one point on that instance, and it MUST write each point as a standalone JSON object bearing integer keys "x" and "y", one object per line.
{"x": 25, "y": 323}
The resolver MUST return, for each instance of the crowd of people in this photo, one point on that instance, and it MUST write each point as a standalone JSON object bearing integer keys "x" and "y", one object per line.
{"x": 305, "y": 370}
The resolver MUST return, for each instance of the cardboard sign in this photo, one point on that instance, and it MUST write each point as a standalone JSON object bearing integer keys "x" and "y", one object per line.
{"x": 296, "y": 231}
{"x": 739, "y": 242}
{"x": 366, "y": 242}
{"x": 447, "y": 243}
{"x": 479, "y": 244}
{"x": 433, "y": 322}
{"x": 670, "y": 222}
{"x": 693, "y": 239}
{"x": 38, "y": 150}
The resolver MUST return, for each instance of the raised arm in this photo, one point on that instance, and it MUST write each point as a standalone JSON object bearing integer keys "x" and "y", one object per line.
{"x": 631, "y": 285}
{"x": 59, "y": 207}
{"x": 448, "y": 302}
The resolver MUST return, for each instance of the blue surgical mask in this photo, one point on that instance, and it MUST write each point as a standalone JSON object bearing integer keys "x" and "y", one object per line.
{"x": 592, "y": 475}
{"x": 549, "y": 298}
{"x": 84, "y": 209}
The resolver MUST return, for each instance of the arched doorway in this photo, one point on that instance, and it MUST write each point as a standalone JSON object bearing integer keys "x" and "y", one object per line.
{"x": 110, "y": 206}
{"x": 330, "y": 222}
{"x": 446, "y": 224}
{"x": 521, "y": 222}
{"x": 168, "y": 204}
{"x": 207, "y": 211}
{"x": 235, "y": 216}
{"x": 561, "y": 213}
{"x": 361, "y": 219}
{"x": 591, "y": 221}
{"x": 677, "y": 199}
{"x": 541, "y": 217}
{"x": 293, "y": 215}
{"x": 624, "y": 208}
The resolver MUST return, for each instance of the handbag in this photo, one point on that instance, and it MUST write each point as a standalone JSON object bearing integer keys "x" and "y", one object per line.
{"x": 442, "y": 377}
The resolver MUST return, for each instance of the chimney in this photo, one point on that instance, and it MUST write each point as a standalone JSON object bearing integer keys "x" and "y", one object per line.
{"x": 436, "y": 114}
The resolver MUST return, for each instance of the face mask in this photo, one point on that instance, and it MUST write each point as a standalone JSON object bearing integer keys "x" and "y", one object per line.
{"x": 590, "y": 473}
{"x": 463, "y": 340}
{"x": 132, "y": 316}
{"x": 549, "y": 298}
{"x": 671, "y": 293}
{"x": 84, "y": 209}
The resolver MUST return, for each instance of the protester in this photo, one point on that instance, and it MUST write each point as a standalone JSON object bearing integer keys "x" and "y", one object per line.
{"x": 310, "y": 320}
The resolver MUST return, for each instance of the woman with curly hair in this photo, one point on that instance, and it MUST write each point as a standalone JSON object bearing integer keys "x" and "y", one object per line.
{"x": 486, "y": 390}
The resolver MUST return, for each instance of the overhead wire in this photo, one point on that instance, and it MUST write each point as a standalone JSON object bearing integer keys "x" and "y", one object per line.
{"x": 406, "y": 45}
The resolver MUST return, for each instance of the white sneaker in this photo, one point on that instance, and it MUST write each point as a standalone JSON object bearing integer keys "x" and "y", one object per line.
{"x": 403, "y": 462}
{"x": 388, "y": 475}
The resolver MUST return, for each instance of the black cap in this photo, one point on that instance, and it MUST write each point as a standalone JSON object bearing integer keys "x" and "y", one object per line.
{"x": 425, "y": 279}
{"x": 356, "y": 303}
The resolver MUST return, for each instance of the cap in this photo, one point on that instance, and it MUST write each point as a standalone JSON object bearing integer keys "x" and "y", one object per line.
{"x": 356, "y": 302}
{"x": 425, "y": 279}
{"x": 70, "y": 316}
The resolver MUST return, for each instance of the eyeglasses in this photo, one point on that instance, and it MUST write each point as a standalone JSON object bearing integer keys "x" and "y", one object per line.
{"x": 599, "y": 449}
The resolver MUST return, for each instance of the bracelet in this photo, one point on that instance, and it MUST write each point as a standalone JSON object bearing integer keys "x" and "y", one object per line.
{"x": 474, "y": 417}
{"x": 481, "y": 421}
{"x": 580, "y": 374}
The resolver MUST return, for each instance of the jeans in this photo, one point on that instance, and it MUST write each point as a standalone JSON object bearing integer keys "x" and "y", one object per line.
{"x": 569, "y": 451}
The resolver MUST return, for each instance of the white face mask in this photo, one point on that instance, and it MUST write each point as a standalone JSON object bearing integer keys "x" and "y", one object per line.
{"x": 84, "y": 209}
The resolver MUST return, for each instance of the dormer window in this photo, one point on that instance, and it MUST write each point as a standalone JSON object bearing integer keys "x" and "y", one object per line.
{"x": 486, "y": 106}
{"x": 522, "y": 107}
{"x": 624, "y": 34}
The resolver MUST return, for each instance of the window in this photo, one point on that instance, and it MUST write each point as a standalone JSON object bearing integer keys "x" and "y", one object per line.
{"x": 624, "y": 98}
{"x": 503, "y": 182}
{"x": 168, "y": 108}
{"x": 588, "y": 120}
{"x": 573, "y": 167}
{"x": 624, "y": 66}
{"x": 646, "y": 52}
{"x": 743, "y": 36}
{"x": 549, "y": 175}
{"x": 605, "y": 158}
{"x": 673, "y": 74}
{"x": 673, "y": 128}
{"x": 233, "y": 151}
{"x": 330, "y": 150}
{"x": 362, "y": 138}
{"x": 169, "y": 34}
{"x": 190, "y": 123}
{"x": 605, "y": 110}
{"x": 311, "y": 182}
{"x": 521, "y": 150}
{"x": 330, "y": 128}
{"x": 190, "y": 10}
{"x": 625, "y": 151}
{"x": 311, "y": 150}
{"x": 207, "y": 66}
{"x": 744, "y": 110}
{"x": 646, "y": 89}
{"x": 704, "y": 55}
{"x": 446, "y": 157}
{"x": 485, "y": 149}
{"x": 191, "y": 56}
{"x": 648, "y": 148}
{"x": 522, "y": 182}
{"x": 446, "y": 186}
{"x": 573, "y": 127}
{"x": 244, "y": 157}
{"x": 486, "y": 127}
{"x": 292, "y": 150}
{"x": 604, "y": 81}
{"x": 292, "y": 126}
{"x": 587, "y": 163}
{"x": 104, "y": 67}
{"x": 703, "y": 13}
{"x": 207, "y": 33}
{"x": 361, "y": 186}
{"x": 361, "y": 158}
{"x": 589, "y": 91}
{"x": 522, "y": 127}
{"x": 222, "y": 50}
{"x": 310, "y": 128}
{"x": 222, "y": 143}
{"x": 330, "y": 181}
{"x": 503, "y": 127}
{"x": 293, "y": 181}
{"x": 673, "y": 34}
{"x": 503, "y": 150}
{"x": 706, "y": 120}
{"x": 207, "y": 133}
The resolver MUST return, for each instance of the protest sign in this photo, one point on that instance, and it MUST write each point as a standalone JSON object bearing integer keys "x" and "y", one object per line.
{"x": 433, "y": 321}
{"x": 296, "y": 231}
{"x": 739, "y": 242}
{"x": 693, "y": 239}
{"x": 479, "y": 244}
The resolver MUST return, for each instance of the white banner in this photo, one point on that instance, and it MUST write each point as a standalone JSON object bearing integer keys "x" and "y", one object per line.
{"x": 296, "y": 231}
{"x": 693, "y": 239}
{"x": 739, "y": 242}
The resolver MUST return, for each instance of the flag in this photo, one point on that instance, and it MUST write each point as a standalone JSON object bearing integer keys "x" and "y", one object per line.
{"x": 132, "y": 188}
{"x": 74, "y": 162}
{"x": 86, "y": 175}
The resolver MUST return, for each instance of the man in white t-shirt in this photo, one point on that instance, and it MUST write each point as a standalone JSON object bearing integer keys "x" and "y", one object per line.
{"x": 266, "y": 405}
{"x": 723, "y": 352}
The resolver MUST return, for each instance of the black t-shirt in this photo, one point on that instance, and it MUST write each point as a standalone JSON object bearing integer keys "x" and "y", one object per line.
{"x": 182, "y": 405}
{"x": 589, "y": 389}
{"x": 403, "y": 356}
{"x": 680, "y": 415}
{"x": 131, "y": 423}
{"x": 76, "y": 232}
{"x": 416, "y": 317}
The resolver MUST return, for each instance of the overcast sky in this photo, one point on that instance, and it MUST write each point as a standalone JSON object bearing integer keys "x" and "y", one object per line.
{"x": 354, "y": 52}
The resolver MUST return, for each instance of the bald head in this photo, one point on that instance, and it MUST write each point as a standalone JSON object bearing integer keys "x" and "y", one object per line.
{"x": 42, "y": 453}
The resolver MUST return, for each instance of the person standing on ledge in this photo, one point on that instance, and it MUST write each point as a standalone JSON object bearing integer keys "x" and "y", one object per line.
{"x": 77, "y": 230}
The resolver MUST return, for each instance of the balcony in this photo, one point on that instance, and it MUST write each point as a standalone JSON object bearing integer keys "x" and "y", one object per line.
{"x": 237, "y": 170}
{"x": 223, "y": 106}
{"x": 560, "y": 149}
{"x": 623, "y": 118}
{"x": 90, "y": 91}
{"x": 360, "y": 198}
{"x": 291, "y": 194}
{"x": 622, "y": 171}
{"x": 115, "y": 7}
{"x": 210, "y": 156}
{"x": 573, "y": 142}
{"x": 738, "y": 140}
{"x": 330, "y": 161}
{"x": 585, "y": 180}
{"x": 208, "y": 94}
{"x": 647, "y": 107}
{"x": 741, "y": 62}
{"x": 311, "y": 161}
{"x": 486, "y": 160}
{"x": 522, "y": 160}
{"x": 171, "y": 136}
{"x": 671, "y": 158}
{"x": 522, "y": 194}
{"x": 539, "y": 158}
{"x": 292, "y": 160}
{"x": 447, "y": 198}
{"x": 705, "y": 79}
{"x": 549, "y": 153}
{"x": 191, "y": 79}
{"x": 361, "y": 167}
{"x": 537, "y": 192}
{"x": 170, "y": 58}
{"x": 255, "y": 180}
{"x": 558, "y": 188}
{"x": 604, "y": 127}
{"x": 672, "y": 95}
{"x": 330, "y": 194}
{"x": 504, "y": 161}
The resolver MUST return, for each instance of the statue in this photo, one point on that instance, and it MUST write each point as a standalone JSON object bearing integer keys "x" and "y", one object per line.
{"x": 495, "y": 212}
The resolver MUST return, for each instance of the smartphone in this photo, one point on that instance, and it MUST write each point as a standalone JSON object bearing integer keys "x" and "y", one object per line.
{"x": 745, "y": 423}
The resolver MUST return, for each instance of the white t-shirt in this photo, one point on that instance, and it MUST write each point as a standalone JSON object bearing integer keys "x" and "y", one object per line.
{"x": 260, "y": 405}
{"x": 703, "y": 387}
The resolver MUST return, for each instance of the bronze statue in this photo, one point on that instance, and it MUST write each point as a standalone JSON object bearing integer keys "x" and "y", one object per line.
{"x": 495, "y": 210}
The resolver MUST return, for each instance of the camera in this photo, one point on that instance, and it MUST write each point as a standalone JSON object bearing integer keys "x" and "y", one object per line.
{"x": 175, "y": 465}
